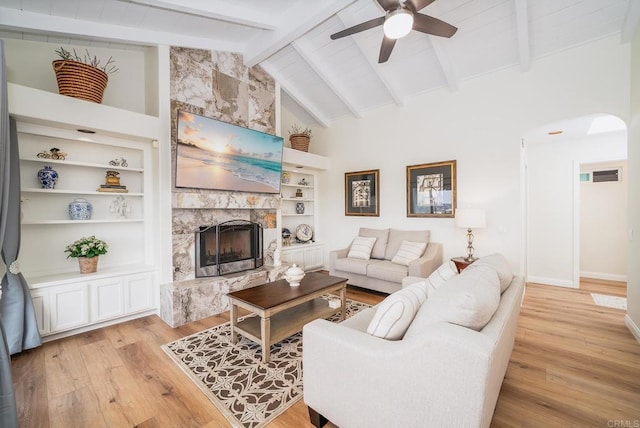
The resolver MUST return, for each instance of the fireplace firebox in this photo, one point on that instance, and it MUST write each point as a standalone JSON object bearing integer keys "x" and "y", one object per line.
{"x": 232, "y": 246}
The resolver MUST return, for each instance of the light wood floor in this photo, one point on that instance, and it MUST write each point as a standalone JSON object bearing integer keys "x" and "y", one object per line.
{"x": 574, "y": 364}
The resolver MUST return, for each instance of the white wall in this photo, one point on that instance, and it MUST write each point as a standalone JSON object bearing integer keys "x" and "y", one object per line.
{"x": 633, "y": 272}
{"x": 552, "y": 179}
{"x": 481, "y": 126}
{"x": 603, "y": 223}
{"x": 29, "y": 64}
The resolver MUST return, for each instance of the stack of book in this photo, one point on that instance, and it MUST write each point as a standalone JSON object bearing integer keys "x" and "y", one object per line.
{"x": 113, "y": 188}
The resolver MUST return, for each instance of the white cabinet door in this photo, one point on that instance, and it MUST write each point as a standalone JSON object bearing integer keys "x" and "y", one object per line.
{"x": 139, "y": 293}
{"x": 41, "y": 305}
{"x": 107, "y": 299}
{"x": 69, "y": 306}
{"x": 314, "y": 257}
{"x": 293, "y": 256}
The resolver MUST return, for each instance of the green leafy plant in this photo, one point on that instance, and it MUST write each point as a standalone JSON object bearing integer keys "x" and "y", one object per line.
{"x": 88, "y": 59}
{"x": 299, "y": 130}
{"x": 87, "y": 247}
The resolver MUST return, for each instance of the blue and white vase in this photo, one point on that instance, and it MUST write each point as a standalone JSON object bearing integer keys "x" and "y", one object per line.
{"x": 80, "y": 209}
{"x": 48, "y": 177}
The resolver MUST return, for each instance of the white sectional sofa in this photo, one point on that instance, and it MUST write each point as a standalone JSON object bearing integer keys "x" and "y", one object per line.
{"x": 379, "y": 272}
{"x": 439, "y": 373}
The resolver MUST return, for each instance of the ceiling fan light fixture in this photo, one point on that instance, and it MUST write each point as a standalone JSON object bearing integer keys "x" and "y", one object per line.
{"x": 398, "y": 23}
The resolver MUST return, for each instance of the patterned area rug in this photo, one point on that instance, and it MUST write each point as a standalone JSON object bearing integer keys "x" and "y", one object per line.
{"x": 248, "y": 392}
{"x": 609, "y": 301}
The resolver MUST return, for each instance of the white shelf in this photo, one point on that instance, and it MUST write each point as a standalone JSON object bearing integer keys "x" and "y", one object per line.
{"x": 296, "y": 215}
{"x": 77, "y": 192}
{"x": 300, "y": 186}
{"x": 82, "y": 164}
{"x": 44, "y": 222}
{"x": 37, "y": 281}
{"x": 298, "y": 199}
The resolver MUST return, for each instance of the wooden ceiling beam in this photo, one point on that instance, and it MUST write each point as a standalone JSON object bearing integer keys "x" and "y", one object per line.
{"x": 338, "y": 88}
{"x": 522, "y": 27}
{"x": 19, "y": 20}
{"x": 299, "y": 19}
{"x": 348, "y": 20}
{"x": 222, "y": 11}
{"x": 444, "y": 60}
{"x": 297, "y": 95}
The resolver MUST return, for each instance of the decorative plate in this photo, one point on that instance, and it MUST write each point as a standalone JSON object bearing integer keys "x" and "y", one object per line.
{"x": 304, "y": 232}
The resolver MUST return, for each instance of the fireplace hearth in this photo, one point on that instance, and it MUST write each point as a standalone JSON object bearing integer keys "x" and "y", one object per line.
{"x": 229, "y": 247}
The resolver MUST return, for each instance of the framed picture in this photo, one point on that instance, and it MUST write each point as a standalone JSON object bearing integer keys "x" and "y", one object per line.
{"x": 431, "y": 189}
{"x": 361, "y": 195}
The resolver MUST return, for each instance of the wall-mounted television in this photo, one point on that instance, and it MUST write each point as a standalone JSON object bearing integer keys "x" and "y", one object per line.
{"x": 216, "y": 155}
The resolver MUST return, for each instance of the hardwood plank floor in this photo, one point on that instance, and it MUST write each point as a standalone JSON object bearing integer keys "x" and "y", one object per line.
{"x": 573, "y": 364}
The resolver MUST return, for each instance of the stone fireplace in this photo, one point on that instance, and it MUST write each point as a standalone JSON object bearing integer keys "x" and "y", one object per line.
{"x": 218, "y": 85}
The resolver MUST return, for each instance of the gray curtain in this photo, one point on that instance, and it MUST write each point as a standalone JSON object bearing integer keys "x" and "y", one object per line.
{"x": 16, "y": 306}
{"x": 8, "y": 412}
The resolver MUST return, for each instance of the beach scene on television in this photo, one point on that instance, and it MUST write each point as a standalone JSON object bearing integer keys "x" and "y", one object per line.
{"x": 216, "y": 155}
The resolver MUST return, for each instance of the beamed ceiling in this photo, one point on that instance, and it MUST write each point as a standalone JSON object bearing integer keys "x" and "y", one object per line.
{"x": 333, "y": 79}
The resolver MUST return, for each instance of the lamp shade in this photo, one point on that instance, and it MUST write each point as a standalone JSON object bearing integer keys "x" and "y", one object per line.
{"x": 398, "y": 23}
{"x": 470, "y": 218}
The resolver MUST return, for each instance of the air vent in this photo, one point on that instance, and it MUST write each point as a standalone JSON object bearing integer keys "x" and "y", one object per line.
{"x": 606, "y": 175}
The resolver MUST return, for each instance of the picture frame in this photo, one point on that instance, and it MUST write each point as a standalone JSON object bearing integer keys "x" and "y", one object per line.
{"x": 431, "y": 189}
{"x": 361, "y": 193}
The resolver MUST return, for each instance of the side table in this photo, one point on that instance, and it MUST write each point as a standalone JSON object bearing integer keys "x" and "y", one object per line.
{"x": 461, "y": 263}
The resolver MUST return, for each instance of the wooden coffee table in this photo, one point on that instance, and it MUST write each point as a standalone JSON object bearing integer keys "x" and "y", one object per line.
{"x": 283, "y": 310}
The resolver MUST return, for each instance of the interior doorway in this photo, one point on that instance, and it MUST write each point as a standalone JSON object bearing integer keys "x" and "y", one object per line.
{"x": 552, "y": 157}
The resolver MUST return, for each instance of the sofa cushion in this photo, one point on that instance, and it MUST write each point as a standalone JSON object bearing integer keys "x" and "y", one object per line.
{"x": 408, "y": 252}
{"x": 387, "y": 271}
{"x": 397, "y": 236}
{"x": 500, "y": 264}
{"x": 440, "y": 276}
{"x": 382, "y": 236}
{"x": 469, "y": 299}
{"x": 357, "y": 266}
{"x": 395, "y": 313}
{"x": 361, "y": 247}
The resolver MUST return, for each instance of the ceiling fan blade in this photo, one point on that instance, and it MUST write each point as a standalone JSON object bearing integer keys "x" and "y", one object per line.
{"x": 358, "y": 28}
{"x": 385, "y": 49}
{"x": 430, "y": 25}
{"x": 420, "y": 4}
{"x": 389, "y": 4}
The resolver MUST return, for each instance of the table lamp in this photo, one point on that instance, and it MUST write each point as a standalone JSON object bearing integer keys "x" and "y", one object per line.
{"x": 470, "y": 218}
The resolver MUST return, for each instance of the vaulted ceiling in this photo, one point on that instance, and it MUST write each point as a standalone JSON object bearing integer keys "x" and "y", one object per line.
{"x": 333, "y": 79}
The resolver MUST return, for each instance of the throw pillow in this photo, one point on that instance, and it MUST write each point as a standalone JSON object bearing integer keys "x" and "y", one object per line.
{"x": 500, "y": 264}
{"x": 408, "y": 252}
{"x": 469, "y": 300}
{"x": 382, "y": 236}
{"x": 361, "y": 248}
{"x": 395, "y": 313}
{"x": 438, "y": 277}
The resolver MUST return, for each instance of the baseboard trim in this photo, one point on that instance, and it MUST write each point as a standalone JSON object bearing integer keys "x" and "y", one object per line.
{"x": 552, "y": 281}
{"x": 633, "y": 327}
{"x": 604, "y": 276}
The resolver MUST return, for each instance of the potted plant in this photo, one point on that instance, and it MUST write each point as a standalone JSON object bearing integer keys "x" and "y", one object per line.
{"x": 83, "y": 77}
{"x": 87, "y": 250}
{"x": 299, "y": 138}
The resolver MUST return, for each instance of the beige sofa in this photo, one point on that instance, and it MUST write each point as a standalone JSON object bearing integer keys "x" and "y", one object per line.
{"x": 438, "y": 374}
{"x": 379, "y": 273}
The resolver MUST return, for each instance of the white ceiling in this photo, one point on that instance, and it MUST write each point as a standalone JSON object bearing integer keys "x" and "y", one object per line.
{"x": 333, "y": 79}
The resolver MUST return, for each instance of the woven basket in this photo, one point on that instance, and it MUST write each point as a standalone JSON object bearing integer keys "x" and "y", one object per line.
{"x": 299, "y": 142}
{"x": 79, "y": 80}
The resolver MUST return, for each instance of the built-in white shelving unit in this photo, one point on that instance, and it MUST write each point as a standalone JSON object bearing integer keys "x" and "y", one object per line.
{"x": 126, "y": 283}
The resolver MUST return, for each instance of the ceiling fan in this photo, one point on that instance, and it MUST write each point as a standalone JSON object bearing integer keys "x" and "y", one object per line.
{"x": 402, "y": 16}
